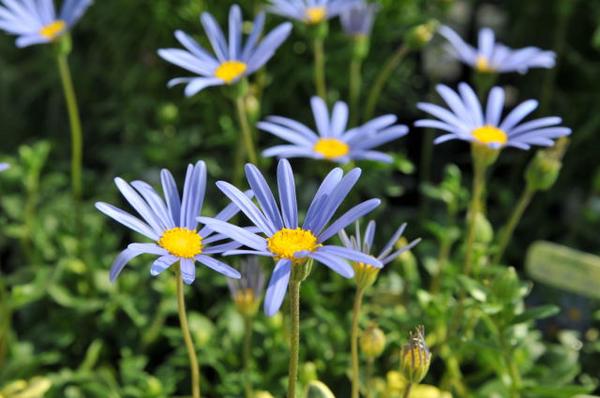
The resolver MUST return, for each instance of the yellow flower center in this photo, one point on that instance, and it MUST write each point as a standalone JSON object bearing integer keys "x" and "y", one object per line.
{"x": 490, "y": 135}
{"x": 181, "y": 242}
{"x": 53, "y": 30}
{"x": 286, "y": 242}
{"x": 315, "y": 15}
{"x": 229, "y": 71}
{"x": 331, "y": 148}
{"x": 483, "y": 65}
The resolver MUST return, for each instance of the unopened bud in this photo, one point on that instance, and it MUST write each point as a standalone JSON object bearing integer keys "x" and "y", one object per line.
{"x": 365, "y": 275}
{"x": 246, "y": 302}
{"x": 263, "y": 394}
{"x": 415, "y": 357}
{"x": 372, "y": 342}
{"x": 542, "y": 172}
{"x": 419, "y": 36}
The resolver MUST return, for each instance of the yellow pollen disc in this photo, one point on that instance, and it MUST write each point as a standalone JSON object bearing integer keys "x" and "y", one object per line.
{"x": 53, "y": 30}
{"x": 483, "y": 65}
{"x": 181, "y": 242}
{"x": 315, "y": 15}
{"x": 331, "y": 148}
{"x": 286, "y": 242}
{"x": 229, "y": 71}
{"x": 490, "y": 135}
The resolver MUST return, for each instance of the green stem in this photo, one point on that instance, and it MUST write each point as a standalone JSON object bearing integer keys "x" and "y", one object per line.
{"x": 444, "y": 254}
{"x": 354, "y": 342}
{"x": 246, "y": 130}
{"x": 355, "y": 88}
{"x": 507, "y": 231}
{"x": 294, "y": 292}
{"x": 247, "y": 356}
{"x": 75, "y": 123}
{"x": 407, "y": 390}
{"x": 382, "y": 78}
{"x": 370, "y": 381}
{"x": 319, "y": 53}
{"x": 475, "y": 208}
{"x": 187, "y": 337}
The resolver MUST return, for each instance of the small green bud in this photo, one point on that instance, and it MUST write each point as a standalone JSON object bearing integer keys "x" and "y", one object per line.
{"x": 415, "y": 357}
{"x": 361, "y": 46}
{"x": 372, "y": 342}
{"x": 420, "y": 35}
{"x": 253, "y": 108}
{"x": 484, "y": 232}
{"x": 365, "y": 275}
{"x": 542, "y": 172}
{"x": 168, "y": 113}
{"x": 308, "y": 372}
{"x": 246, "y": 302}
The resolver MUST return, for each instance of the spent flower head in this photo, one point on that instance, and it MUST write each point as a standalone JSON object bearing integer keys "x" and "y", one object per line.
{"x": 311, "y": 12}
{"x": 372, "y": 342}
{"x": 493, "y": 57}
{"x": 465, "y": 120}
{"x": 332, "y": 141}
{"x": 233, "y": 59}
{"x": 415, "y": 357}
{"x": 247, "y": 291}
{"x": 358, "y": 18}
{"x": 366, "y": 274}
{"x": 171, "y": 224}
{"x": 288, "y": 242}
{"x": 36, "y": 21}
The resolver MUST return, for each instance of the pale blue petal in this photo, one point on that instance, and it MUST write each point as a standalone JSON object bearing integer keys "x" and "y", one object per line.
{"x": 277, "y": 287}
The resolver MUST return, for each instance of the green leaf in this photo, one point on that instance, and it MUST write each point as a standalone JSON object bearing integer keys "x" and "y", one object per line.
{"x": 532, "y": 314}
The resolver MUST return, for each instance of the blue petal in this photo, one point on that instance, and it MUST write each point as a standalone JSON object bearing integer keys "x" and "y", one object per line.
{"x": 127, "y": 220}
{"x": 219, "y": 266}
{"x": 236, "y": 233}
{"x": 277, "y": 287}
{"x": 193, "y": 195}
{"x": 162, "y": 263}
{"x": 335, "y": 263}
{"x": 287, "y": 194}
{"x": 348, "y": 218}
{"x": 264, "y": 196}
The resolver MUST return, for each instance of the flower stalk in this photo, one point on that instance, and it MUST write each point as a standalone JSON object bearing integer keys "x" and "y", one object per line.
{"x": 242, "y": 114}
{"x": 294, "y": 294}
{"x": 63, "y": 49}
{"x": 247, "y": 353}
{"x": 187, "y": 337}
{"x": 358, "y": 296}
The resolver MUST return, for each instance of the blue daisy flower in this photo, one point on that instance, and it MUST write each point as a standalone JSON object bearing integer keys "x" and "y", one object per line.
{"x": 311, "y": 12}
{"x": 233, "y": 59}
{"x": 4, "y": 166}
{"x": 171, "y": 224}
{"x": 332, "y": 141}
{"x": 365, "y": 244}
{"x": 491, "y": 57}
{"x": 465, "y": 120}
{"x": 286, "y": 242}
{"x": 358, "y": 19}
{"x": 36, "y": 22}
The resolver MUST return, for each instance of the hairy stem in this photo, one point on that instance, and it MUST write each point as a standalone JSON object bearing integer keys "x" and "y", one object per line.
{"x": 354, "y": 342}
{"x": 319, "y": 53}
{"x": 242, "y": 114}
{"x": 187, "y": 337}
{"x": 294, "y": 292}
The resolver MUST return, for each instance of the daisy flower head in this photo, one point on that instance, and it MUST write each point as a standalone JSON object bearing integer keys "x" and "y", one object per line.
{"x": 493, "y": 57}
{"x": 466, "y": 120}
{"x": 332, "y": 141}
{"x": 357, "y": 19}
{"x": 36, "y": 21}
{"x": 171, "y": 224}
{"x": 366, "y": 274}
{"x": 247, "y": 291}
{"x": 288, "y": 242}
{"x": 311, "y": 12}
{"x": 233, "y": 58}
{"x": 4, "y": 166}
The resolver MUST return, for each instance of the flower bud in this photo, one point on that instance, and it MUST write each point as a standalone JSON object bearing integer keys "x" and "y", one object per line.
{"x": 542, "y": 172}
{"x": 419, "y": 36}
{"x": 415, "y": 357}
{"x": 365, "y": 275}
{"x": 246, "y": 302}
{"x": 372, "y": 342}
{"x": 263, "y": 394}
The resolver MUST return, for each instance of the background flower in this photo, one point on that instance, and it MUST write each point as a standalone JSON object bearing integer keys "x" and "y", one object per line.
{"x": 466, "y": 120}
{"x": 36, "y": 22}
{"x": 332, "y": 141}
{"x": 358, "y": 19}
{"x": 4, "y": 166}
{"x": 311, "y": 12}
{"x": 491, "y": 56}
{"x": 171, "y": 224}
{"x": 233, "y": 58}
{"x": 289, "y": 244}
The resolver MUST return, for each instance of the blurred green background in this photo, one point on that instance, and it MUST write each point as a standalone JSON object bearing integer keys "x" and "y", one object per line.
{"x": 62, "y": 319}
